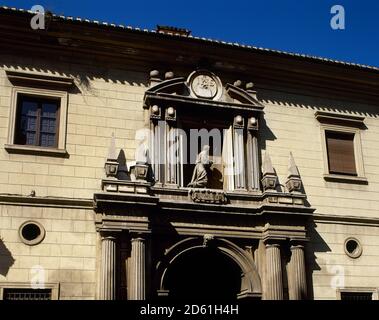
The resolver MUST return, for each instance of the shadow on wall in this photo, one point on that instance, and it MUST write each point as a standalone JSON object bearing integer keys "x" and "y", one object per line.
{"x": 82, "y": 76}
{"x": 332, "y": 104}
{"x": 315, "y": 245}
{"x": 6, "y": 259}
{"x": 122, "y": 172}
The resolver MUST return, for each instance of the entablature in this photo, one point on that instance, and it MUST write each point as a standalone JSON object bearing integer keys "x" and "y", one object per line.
{"x": 126, "y": 194}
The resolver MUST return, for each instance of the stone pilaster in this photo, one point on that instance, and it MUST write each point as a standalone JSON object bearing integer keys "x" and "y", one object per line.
{"x": 137, "y": 287}
{"x": 108, "y": 268}
{"x": 252, "y": 161}
{"x": 274, "y": 281}
{"x": 239, "y": 154}
{"x": 297, "y": 283}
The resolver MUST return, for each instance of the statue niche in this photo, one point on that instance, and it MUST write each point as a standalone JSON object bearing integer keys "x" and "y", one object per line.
{"x": 202, "y": 169}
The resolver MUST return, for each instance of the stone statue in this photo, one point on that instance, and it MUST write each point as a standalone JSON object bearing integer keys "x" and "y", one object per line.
{"x": 200, "y": 173}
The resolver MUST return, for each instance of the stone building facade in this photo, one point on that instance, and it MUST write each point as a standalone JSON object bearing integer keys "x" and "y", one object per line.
{"x": 290, "y": 202}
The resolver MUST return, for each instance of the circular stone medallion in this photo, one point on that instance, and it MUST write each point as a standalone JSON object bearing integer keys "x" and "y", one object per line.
{"x": 205, "y": 85}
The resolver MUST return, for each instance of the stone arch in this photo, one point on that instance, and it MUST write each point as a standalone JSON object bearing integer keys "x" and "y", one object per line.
{"x": 251, "y": 282}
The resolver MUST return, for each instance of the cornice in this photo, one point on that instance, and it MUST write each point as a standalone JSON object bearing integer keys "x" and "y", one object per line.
{"x": 97, "y": 43}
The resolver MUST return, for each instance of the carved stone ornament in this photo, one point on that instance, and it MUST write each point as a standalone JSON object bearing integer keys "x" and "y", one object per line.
{"x": 206, "y": 239}
{"x": 207, "y": 196}
{"x": 205, "y": 84}
{"x": 140, "y": 171}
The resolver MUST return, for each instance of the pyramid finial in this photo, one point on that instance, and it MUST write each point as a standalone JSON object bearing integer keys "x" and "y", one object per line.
{"x": 112, "y": 148}
{"x": 111, "y": 165}
{"x": 293, "y": 183}
{"x": 267, "y": 167}
{"x": 292, "y": 168}
{"x": 269, "y": 179}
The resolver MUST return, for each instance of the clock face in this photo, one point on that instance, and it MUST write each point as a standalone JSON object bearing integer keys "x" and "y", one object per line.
{"x": 204, "y": 86}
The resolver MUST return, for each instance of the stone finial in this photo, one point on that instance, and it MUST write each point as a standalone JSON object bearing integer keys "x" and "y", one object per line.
{"x": 270, "y": 179}
{"x": 112, "y": 148}
{"x": 249, "y": 86}
{"x": 238, "y": 83}
{"x": 251, "y": 90}
{"x": 154, "y": 73}
{"x": 267, "y": 167}
{"x": 169, "y": 75}
{"x": 293, "y": 182}
{"x": 111, "y": 165}
{"x": 292, "y": 168}
{"x": 154, "y": 77}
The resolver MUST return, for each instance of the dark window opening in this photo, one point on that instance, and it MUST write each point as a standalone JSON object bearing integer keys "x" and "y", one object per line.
{"x": 356, "y": 296}
{"x": 31, "y": 231}
{"x": 26, "y": 294}
{"x": 341, "y": 157}
{"x": 37, "y": 121}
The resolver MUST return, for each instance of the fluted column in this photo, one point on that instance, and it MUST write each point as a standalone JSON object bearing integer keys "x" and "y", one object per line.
{"x": 297, "y": 282}
{"x": 108, "y": 268}
{"x": 137, "y": 288}
{"x": 274, "y": 282}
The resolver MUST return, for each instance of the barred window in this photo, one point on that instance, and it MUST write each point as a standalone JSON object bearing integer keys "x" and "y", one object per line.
{"x": 26, "y": 294}
{"x": 356, "y": 296}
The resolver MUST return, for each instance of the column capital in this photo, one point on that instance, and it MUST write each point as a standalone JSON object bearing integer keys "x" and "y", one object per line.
{"x": 296, "y": 246}
{"x": 269, "y": 241}
{"x": 272, "y": 245}
{"x": 137, "y": 239}
{"x": 138, "y": 236}
{"x": 108, "y": 235}
{"x": 298, "y": 243}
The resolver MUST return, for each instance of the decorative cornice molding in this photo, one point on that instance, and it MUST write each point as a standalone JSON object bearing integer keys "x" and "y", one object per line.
{"x": 340, "y": 119}
{"x": 39, "y": 80}
{"x": 21, "y": 200}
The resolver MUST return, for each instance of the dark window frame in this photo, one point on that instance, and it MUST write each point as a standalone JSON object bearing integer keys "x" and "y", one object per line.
{"x": 21, "y": 98}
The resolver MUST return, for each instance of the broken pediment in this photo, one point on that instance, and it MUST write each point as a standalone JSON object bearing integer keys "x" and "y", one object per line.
{"x": 203, "y": 87}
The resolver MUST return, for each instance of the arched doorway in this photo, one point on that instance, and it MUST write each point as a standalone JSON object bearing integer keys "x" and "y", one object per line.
{"x": 207, "y": 267}
{"x": 204, "y": 273}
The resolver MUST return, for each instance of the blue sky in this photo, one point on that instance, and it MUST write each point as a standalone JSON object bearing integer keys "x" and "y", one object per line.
{"x": 301, "y": 26}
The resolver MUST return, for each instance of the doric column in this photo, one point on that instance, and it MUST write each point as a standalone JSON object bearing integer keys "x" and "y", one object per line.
{"x": 297, "y": 283}
{"x": 137, "y": 287}
{"x": 274, "y": 282}
{"x": 108, "y": 268}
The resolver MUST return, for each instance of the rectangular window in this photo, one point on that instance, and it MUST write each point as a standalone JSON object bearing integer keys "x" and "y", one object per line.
{"x": 37, "y": 121}
{"x": 356, "y": 296}
{"x": 38, "y": 114}
{"x": 340, "y": 149}
{"x": 26, "y": 294}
